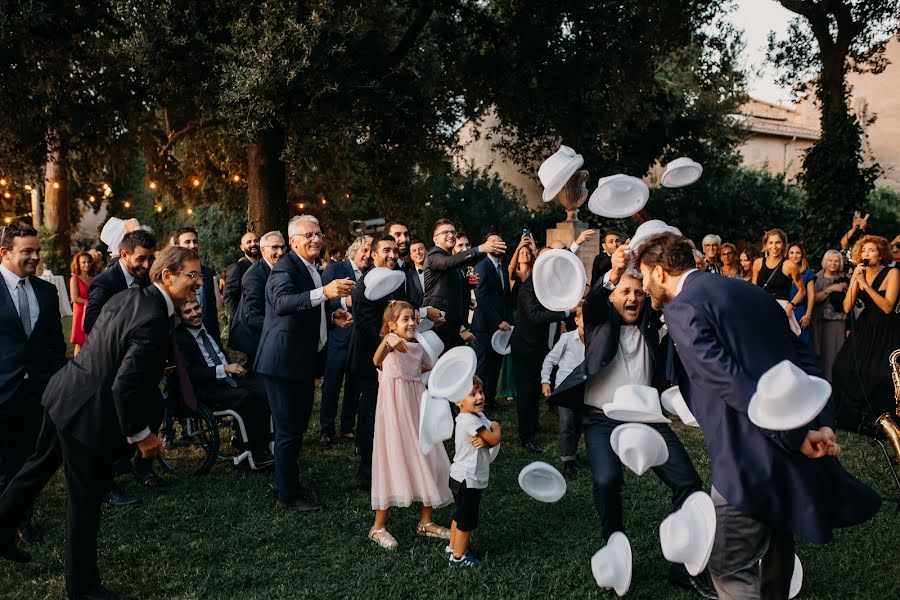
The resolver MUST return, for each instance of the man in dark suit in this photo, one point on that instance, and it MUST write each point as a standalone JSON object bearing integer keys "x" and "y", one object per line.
{"x": 621, "y": 336}
{"x": 444, "y": 282}
{"x": 130, "y": 271}
{"x": 493, "y": 312}
{"x": 95, "y": 408}
{"x": 221, "y": 384}
{"x": 235, "y": 271}
{"x": 208, "y": 295}
{"x": 294, "y": 332}
{"x": 768, "y": 486}
{"x": 415, "y": 276}
{"x": 603, "y": 262}
{"x": 32, "y": 349}
{"x": 357, "y": 262}
{"x": 247, "y": 324}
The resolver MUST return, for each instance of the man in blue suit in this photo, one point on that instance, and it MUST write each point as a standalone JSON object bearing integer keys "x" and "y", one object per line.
{"x": 492, "y": 312}
{"x": 357, "y": 262}
{"x": 768, "y": 486}
{"x": 294, "y": 332}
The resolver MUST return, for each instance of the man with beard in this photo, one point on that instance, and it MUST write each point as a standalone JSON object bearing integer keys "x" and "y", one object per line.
{"x": 492, "y": 312}
{"x": 135, "y": 258}
{"x": 768, "y": 486}
{"x": 32, "y": 349}
{"x": 621, "y": 337}
{"x": 236, "y": 270}
{"x": 208, "y": 294}
{"x": 400, "y": 233}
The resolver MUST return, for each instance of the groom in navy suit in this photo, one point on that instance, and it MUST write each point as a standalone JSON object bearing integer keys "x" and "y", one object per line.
{"x": 768, "y": 486}
{"x": 492, "y": 312}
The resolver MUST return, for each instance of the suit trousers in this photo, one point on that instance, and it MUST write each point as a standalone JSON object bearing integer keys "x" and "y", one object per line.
{"x": 367, "y": 393}
{"x": 291, "y": 403}
{"x": 335, "y": 370}
{"x": 677, "y": 473}
{"x": 527, "y": 375}
{"x": 569, "y": 433}
{"x": 248, "y": 400}
{"x": 749, "y": 559}
{"x": 20, "y": 424}
{"x": 489, "y": 364}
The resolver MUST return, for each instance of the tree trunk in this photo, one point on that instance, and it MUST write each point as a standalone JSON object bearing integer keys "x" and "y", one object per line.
{"x": 57, "y": 207}
{"x": 832, "y": 91}
{"x": 266, "y": 186}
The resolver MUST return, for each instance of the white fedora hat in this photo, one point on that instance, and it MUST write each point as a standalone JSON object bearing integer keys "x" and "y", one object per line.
{"x": 648, "y": 229}
{"x": 500, "y": 341}
{"x": 559, "y": 279}
{"x": 431, "y": 343}
{"x": 381, "y": 281}
{"x": 112, "y": 233}
{"x": 635, "y": 403}
{"x": 542, "y": 482}
{"x": 681, "y": 172}
{"x": 611, "y": 564}
{"x": 451, "y": 377}
{"x": 556, "y": 171}
{"x": 619, "y": 196}
{"x": 425, "y": 324}
{"x": 672, "y": 400}
{"x": 424, "y": 377}
{"x": 787, "y": 398}
{"x": 639, "y": 446}
{"x": 435, "y": 422}
{"x": 687, "y": 535}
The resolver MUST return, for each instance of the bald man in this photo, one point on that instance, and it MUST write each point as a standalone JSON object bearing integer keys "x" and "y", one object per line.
{"x": 235, "y": 271}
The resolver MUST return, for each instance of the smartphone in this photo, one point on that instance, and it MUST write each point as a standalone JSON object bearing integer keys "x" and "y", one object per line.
{"x": 857, "y": 214}
{"x": 527, "y": 232}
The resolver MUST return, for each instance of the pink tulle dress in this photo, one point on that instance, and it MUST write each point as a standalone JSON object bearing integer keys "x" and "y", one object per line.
{"x": 401, "y": 474}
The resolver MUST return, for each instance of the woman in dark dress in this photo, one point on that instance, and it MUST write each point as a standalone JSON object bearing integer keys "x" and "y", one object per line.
{"x": 775, "y": 274}
{"x": 519, "y": 271}
{"x": 862, "y": 386}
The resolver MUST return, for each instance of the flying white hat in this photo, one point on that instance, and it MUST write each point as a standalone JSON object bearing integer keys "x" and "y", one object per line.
{"x": 559, "y": 279}
{"x": 435, "y": 422}
{"x": 637, "y": 404}
{"x": 451, "y": 376}
{"x": 648, "y": 229}
{"x": 542, "y": 482}
{"x": 787, "y": 398}
{"x": 619, "y": 196}
{"x": 687, "y": 535}
{"x": 639, "y": 446}
{"x": 611, "y": 565}
{"x": 500, "y": 341}
{"x": 112, "y": 233}
{"x": 672, "y": 400}
{"x": 381, "y": 281}
{"x": 681, "y": 172}
{"x": 431, "y": 343}
{"x": 556, "y": 171}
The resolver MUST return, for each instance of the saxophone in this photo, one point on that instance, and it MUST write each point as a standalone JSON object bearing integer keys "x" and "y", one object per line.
{"x": 885, "y": 422}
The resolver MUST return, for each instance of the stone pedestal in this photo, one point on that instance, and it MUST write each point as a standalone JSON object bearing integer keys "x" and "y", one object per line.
{"x": 567, "y": 232}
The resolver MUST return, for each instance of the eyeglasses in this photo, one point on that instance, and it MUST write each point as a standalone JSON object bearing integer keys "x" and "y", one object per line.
{"x": 194, "y": 275}
{"x": 275, "y": 246}
{"x": 448, "y": 233}
{"x": 312, "y": 234}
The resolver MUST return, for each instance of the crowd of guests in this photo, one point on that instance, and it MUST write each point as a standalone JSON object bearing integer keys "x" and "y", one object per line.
{"x": 293, "y": 320}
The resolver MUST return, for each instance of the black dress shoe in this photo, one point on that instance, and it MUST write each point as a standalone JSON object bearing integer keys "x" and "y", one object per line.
{"x": 98, "y": 593}
{"x": 28, "y": 534}
{"x": 569, "y": 470}
{"x": 692, "y": 584}
{"x": 263, "y": 459}
{"x": 150, "y": 480}
{"x": 299, "y": 505}
{"x": 532, "y": 448}
{"x": 117, "y": 497}
{"x": 10, "y": 551}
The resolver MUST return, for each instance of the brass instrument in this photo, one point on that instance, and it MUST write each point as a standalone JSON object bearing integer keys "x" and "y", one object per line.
{"x": 886, "y": 424}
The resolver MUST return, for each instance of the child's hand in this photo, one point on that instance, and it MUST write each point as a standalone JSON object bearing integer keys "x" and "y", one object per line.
{"x": 477, "y": 442}
{"x": 545, "y": 390}
{"x": 395, "y": 342}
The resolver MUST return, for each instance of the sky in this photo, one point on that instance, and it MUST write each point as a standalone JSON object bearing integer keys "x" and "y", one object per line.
{"x": 757, "y": 18}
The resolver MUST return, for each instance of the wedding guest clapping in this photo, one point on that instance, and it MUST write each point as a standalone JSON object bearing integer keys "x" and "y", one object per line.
{"x": 829, "y": 320}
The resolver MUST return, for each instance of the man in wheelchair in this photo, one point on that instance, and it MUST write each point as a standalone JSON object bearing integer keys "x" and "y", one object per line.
{"x": 222, "y": 385}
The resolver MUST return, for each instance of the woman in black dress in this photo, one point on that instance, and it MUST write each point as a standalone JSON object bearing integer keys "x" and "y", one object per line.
{"x": 862, "y": 386}
{"x": 775, "y": 274}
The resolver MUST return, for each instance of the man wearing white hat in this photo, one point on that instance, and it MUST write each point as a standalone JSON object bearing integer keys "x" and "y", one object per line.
{"x": 622, "y": 349}
{"x": 768, "y": 486}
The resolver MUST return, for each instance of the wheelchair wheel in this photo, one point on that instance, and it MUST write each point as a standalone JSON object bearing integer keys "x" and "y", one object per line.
{"x": 195, "y": 444}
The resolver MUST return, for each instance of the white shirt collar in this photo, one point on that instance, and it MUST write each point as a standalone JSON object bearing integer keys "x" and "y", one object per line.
{"x": 683, "y": 279}
{"x": 12, "y": 280}
{"x": 170, "y": 306}
{"x": 271, "y": 266}
{"x": 129, "y": 278}
{"x": 305, "y": 262}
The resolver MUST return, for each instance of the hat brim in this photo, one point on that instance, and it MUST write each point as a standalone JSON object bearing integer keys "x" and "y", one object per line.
{"x": 433, "y": 422}
{"x": 617, "y": 208}
{"x": 661, "y": 454}
{"x": 562, "y": 177}
{"x": 704, "y": 505}
{"x": 558, "y": 296}
{"x": 432, "y": 345}
{"x": 500, "y": 341}
{"x": 796, "y": 420}
{"x": 677, "y": 176}
{"x": 796, "y": 578}
{"x": 620, "y": 548}
{"x": 383, "y": 284}
{"x": 425, "y": 325}
{"x": 627, "y": 415}
{"x": 451, "y": 376}
{"x": 543, "y": 470}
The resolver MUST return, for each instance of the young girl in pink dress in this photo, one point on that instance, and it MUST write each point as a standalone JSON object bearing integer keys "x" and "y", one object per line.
{"x": 401, "y": 474}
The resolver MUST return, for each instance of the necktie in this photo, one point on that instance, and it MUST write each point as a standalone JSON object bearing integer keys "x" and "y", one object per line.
{"x": 502, "y": 278}
{"x": 214, "y": 355}
{"x": 24, "y": 308}
{"x": 323, "y": 327}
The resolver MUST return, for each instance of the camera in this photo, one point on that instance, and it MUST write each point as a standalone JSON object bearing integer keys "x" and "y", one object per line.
{"x": 360, "y": 227}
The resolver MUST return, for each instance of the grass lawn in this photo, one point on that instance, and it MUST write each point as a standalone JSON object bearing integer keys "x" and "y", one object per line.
{"x": 220, "y": 536}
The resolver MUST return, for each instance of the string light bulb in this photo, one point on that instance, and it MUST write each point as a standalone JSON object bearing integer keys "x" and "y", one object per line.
{"x": 126, "y": 204}
{"x": 236, "y": 178}
{"x": 2, "y": 181}
{"x": 91, "y": 199}
{"x": 7, "y": 195}
{"x": 159, "y": 208}
{"x": 152, "y": 185}
{"x": 300, "y": 205}
{"x": 7, "y": 220}
{"x": 324, "y": 201}
{"x": 104, "y": 185}
{"x": 196, "y": 182}
{"x": 27, "y": 188}
{"x": 55, "y": 185}
{"x": 190, "y": 211}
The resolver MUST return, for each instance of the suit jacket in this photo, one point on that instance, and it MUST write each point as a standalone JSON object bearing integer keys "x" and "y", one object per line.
{"x": 531, "y": 336}
{"x": 337, "y": 336}
{"x": 602, "y": 328}
{"x": 210, "y": 306}
{"x": 367, "y": 317}
{"x": 247, "y": 323}
{"x": 110, "y": 391}
{"x": 289, "y": 345}
{"x": 602, "y": 264}
{"x": 727, "y": 333}
{"x": 493, "y": 298}
{"x": 445, "y": 286}
{"x": 39, "y": 355}
{"x": 233, "y": 276}
{"x": 415, "y": 292}
{"x": 104, "y": 286}
{"x": 199, "y": 372}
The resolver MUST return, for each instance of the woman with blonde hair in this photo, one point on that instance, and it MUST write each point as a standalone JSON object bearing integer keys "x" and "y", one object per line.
{"x": 829, "y": 319}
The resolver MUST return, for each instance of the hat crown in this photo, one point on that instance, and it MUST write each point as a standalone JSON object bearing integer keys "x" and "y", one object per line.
{"x": 555, "y": 163}
{"x": 642, "y": 398}
{"x": 781, "y": 387}
{"x": 677, "y": 538}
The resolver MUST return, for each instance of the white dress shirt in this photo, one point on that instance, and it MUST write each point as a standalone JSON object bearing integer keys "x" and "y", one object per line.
{"x": 12, "y": 282}
{"x": 317, "y": 298}
{"x": 631, "y": 365}
{"x": 567, "y": 354}
{"x": 220, "y": 368}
